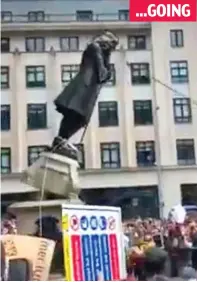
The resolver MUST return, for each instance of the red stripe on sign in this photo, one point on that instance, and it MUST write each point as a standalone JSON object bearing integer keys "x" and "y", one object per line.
{"x": 77, "y": 258}
{"x": 114, "y": 257}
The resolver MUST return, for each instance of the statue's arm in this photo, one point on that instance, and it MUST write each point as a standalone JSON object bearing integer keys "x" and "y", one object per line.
{"x": 102, "y": 69}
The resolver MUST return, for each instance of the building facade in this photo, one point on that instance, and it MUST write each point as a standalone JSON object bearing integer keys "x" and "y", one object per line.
{"x": 140, "y": 148}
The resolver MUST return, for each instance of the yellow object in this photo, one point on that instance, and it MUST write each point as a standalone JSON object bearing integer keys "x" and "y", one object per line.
{"x": 65, "y": 223}
{"x": 67, "y": 258}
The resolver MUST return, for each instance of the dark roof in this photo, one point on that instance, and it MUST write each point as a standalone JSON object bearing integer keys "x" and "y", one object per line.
{"x": 64, "y": 6}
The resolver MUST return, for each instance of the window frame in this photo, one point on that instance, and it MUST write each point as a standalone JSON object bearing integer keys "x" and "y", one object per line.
{"x": 69, "y": 38}
{"x": 7, "y": 44}
{"x": 184, "y": 144}
{"x": 6, "y": 72}
{"x": 9, "y": 167}
{"x": 123, "y": 15}
{"x": 35, "y": 127}
{"x": 9, "y": 117}
{"x": 183, "y": 118}
{"x": 137, "y": 45}
{"x": 179, "y": 78}
{"x": 143, "y": 105}
{"x": 5, "y": 14}
{"x": 174, "y": 42}
{"x": 140, "y": 79}
{"x": 81, "y": 151}
{"x": 29, "y": 148}
{"x": 36, "y": 15}
{"x": 150, "y": 144}
{"x": 35, "y": 83}
{"x": 80, "y": 13}
{"x": 109, "y": 164}
{"x": 110, "y": 108}
{"x": 35, "y": 49}
{"x": 72, "y": 71}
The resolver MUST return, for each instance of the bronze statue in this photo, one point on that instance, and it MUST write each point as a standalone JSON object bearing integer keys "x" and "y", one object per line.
{"x": 77, "y": 100}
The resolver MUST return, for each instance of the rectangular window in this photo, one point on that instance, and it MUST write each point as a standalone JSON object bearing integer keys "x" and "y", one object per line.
{"x": 137, "y": 42}
{"x": 36, "y": 116}
{"x": 176, "y": 38}
{"x": 108, "y": 113}
{"x": 36, "y": 16}
{"x": 35, "y": 44}
{"x": 140, "y": 73}
{"x": 145, "y": 153}
{"x": 68, "y": 73}
{"x": 5, "y": 160}
{"x": 81, "y": 155}
{"x": 123, "y": 15}
{"x": 34, "y": 153}
{"x": 110, "y": 155}
{"x": 143, "y": 112}
{"x": 185, "y": 151}
{"x": 112, "y": 80}
{"x": 5, "y": 44}
{"x": 182, "y": 110}
{"x": 4, "y": 77}
{"x": 85, "y": 16}
{"x": 35, "y": 76}
{"x": 5, "y": 117}
{"x": 179, "y": 71}
{"x": 70, "y": 43}
{"x": 6, "y": 16}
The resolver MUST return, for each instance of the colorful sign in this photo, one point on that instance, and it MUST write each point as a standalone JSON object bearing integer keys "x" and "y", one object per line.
{"x": 94, "y": 244}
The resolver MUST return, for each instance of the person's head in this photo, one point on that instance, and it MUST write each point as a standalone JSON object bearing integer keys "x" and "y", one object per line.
{"x": 107, "y": 39}
{"x": 155, "y": 261}
{"x": 188, "y": 274}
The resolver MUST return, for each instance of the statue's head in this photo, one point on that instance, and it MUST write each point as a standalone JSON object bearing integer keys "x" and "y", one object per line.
{"x": 107, "y": 39}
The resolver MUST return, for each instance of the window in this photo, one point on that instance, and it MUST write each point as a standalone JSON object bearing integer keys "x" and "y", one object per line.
{"x": 6, "y": 16}
{"x": 34, "y": 153}
{"x": 143, "y": 112}
{"x": 5, "y": 117}
{"x": 112, "y": 80}
{"x": 69, "y": 43}
{"x": 81, "y": 155}
{"x": 137, "y": 42}
{"x": 35, "y": 44}
{"x": 108, "y": 113}
{"x": 176, "y": 38}
{"x": 185, "y": 151}
{"x": 182, "y": 110}
{"x": 4, "y": 77}
{"x": 145, "y": 153}
{"x": 110, "y": 155}
{"x": 5, "y": 44}
{"x": 84, "y": 16}
{"x": 5, "y": 160}
{"x": 69, "y": 72}
{"x": 123, "y": 15}
{"x": 140, "y": 73}
{"x": 36, "y": 116}
{"x": 179, "y": 71}
{"x": 36, "y": 16}
{"x": 35, "y": 76}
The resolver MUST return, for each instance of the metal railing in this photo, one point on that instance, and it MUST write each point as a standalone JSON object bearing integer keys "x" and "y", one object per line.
{"x": 60, "y": 18}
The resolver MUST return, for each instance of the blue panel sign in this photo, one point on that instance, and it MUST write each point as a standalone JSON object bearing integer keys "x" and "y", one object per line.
{"x": 105, "y": 257}
{"x": 84, "y": 223}
{"x": 96, "y": 256}
{"x": 87, "y": 257}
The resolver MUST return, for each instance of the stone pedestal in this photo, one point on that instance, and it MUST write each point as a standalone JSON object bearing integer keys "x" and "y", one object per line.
{"x": 54, "y": 173}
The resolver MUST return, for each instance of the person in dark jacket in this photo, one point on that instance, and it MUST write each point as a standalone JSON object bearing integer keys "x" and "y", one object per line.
{"x": 77, "y": 100}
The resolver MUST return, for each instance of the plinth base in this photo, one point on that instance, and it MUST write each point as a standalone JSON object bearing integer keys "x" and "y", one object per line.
{"x": 54, "y": 173}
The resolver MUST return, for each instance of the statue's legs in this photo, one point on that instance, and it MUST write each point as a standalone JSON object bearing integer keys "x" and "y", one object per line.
{"x": 70, "y": 124}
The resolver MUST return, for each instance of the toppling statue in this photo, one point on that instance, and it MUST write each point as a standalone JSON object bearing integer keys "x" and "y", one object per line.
{"x": 77, "y": 100}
